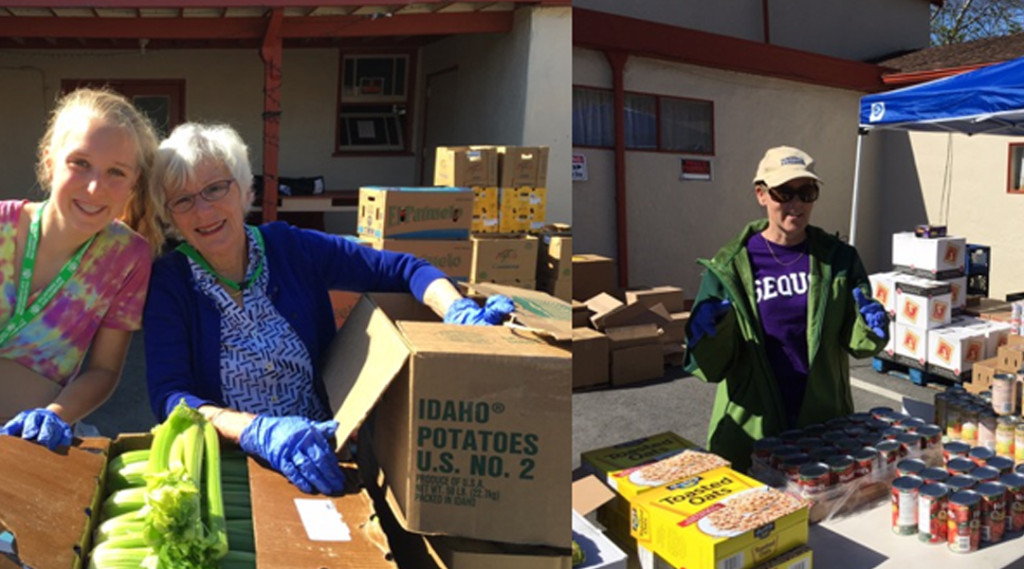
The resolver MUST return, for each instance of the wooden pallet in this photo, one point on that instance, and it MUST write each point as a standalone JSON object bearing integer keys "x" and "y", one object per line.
{"x": 915, "y": 375}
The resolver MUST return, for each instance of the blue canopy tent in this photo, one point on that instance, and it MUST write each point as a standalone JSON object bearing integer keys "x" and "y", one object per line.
{"x": 989, "y": 100}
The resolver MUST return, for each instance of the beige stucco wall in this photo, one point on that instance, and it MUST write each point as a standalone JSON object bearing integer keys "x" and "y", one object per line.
{"x": 673, "y": 222}
{"x": 514, "y": 89}
{"x": 916, "y": 188}
{"x": 858, "y": 30}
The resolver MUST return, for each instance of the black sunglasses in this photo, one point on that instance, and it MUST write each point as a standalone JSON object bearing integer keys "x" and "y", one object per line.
{"x": 784, "y": 194}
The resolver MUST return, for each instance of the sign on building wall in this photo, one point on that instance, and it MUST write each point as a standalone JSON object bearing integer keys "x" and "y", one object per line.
{"x": 695, "y": 170}
{"x": 579, "y": 168}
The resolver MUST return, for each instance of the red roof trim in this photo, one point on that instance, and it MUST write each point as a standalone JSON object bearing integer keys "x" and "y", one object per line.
{"x": 608, "y": 32}
{"x": 248, "y": 3}
{"x": 250, "y": 28}
{"x": 915, "y": 77}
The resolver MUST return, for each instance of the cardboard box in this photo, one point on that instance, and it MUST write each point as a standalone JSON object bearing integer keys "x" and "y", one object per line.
{"x": 675, "y": 331}
{"x": 470, "y": 426}
{"x": 799, "y": 558}
{"x": 637, "y": 363}
{"x": 982, "y": 373}
{"x": 599, "y": 551}
{"x": 883, "y": 289}
{"x": 454, "y": 258}
{"x": 620, "y": 337}
{"x": 504, "y": 259}
{"x": 465, "y": 166}
{"x": 342, "y": 302}
{"x": 670, "y": 297}
{"x": 484, "y": 223}
{"x": 890, "y": 346}
{"x": 523, "y": 166}
{"x": 554, "y": 257}
{"x": 558, "y": 288}
{"x": 485, "y": 200}
{"x": 590, "y": 358}
{"x": 690, "y": 523}
{"x": 415, "y": 213}
{"x": 996, "y": 334}
{"x": 580, "y": 314}
{"x": 610, "y": 312}
{"x": 514, "y": 220}
{"x": 535, "y": 310}
{"x": 958, "y": 293}
{"x": 912, "y": 343}
{"x": 922, "y": 303}
{"x": 944, "y": 257}
{"x": 593, "y": 275}
{"x": 50, "y": 501}
{"x": 955, "y": 349}
{"x": 1011, "y": 356}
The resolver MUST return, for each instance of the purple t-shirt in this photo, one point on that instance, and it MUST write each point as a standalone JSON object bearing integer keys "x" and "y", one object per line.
{"x": 781, "y": 282}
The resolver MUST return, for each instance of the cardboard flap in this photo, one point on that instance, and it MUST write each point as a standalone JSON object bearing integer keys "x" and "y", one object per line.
{"x": 362, "y": 360}
{"x": 628, "y": 336}
{"x": 588, "y": 494}
{"x": 46, "y": 498}
{"x": 544, "y": 314}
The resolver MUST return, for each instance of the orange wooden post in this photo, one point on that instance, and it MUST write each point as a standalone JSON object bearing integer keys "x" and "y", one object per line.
{"x": 270, "y": 53}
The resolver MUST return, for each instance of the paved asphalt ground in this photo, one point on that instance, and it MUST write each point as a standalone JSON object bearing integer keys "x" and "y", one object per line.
{"x": 682, "y": 403}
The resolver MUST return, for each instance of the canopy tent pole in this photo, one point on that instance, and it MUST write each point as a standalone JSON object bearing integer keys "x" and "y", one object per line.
{"x": 861, "y": 133}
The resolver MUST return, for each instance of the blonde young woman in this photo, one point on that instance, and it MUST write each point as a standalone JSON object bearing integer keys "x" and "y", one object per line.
{"x": 73, "y": 275}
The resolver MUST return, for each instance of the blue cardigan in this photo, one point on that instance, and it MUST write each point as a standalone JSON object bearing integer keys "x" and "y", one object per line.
{"x": 182, "y": 325}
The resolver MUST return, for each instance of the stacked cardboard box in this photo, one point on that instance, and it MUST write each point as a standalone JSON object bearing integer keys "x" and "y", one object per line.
{"x": 430, "y": 223}
{"x": 673, "y": 333}
{"x": 475, "y": 168}
{"x": 555, "y": 261}
{"x": 467, "y": 426}
{"x": 593, "y": 275}
{"x": 504, "y": 259}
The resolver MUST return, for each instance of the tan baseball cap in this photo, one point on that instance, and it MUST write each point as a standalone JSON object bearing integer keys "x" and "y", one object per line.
{"x": 784, "y": 163}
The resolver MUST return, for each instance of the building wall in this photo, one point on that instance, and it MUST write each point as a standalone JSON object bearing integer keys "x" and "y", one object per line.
{"x": 970, "y": 199}
{"x": 860, "y": 30}
{"x": 672, "y": 222}
{"x": 514, "y": 89}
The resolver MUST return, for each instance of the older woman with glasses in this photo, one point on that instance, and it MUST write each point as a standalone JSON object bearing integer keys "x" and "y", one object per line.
{"x": 780, "y": 309}
{"x": 238, "y": 317}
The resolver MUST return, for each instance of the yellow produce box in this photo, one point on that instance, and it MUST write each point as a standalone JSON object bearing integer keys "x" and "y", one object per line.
{"x": 720, "y": 518}
{"x": 636, "y": 466}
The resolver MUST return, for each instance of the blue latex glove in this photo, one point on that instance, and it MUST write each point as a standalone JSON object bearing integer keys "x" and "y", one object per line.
{"x": 40, "y": 426}
{"x": 704, "y": 320}
{"x": 465, "y": 311}
{"x": 873, "y": 313}
{"x": 297, "y": 448}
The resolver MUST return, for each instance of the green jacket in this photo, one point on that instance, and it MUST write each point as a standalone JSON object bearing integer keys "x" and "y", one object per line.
{"x": 748, "y": 405}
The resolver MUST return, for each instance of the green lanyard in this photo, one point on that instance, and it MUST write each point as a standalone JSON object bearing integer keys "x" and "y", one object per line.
{"x": 190, "y": 252}
{"x": 22, "y": 316}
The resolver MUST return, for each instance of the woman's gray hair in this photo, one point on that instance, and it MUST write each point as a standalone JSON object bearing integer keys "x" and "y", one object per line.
{"x": 180, "y": 155}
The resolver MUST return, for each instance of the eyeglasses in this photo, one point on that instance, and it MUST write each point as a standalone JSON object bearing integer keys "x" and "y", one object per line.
{"x": 212, "y": 193}
{"x": 784, "y": 194}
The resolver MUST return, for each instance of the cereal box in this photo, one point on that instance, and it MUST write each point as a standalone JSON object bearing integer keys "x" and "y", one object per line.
{"x": 719, "y": 518}
{"x": 634, "y": 467}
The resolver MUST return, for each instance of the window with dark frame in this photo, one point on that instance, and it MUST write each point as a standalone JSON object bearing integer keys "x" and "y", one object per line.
{"x": 374, "y": 103}
{"x": 652, "y": 122}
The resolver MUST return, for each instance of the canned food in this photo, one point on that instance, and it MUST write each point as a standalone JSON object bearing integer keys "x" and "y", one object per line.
{"x": 910, "y": 467}
{"x": 985, "y": 474}
{"x": 880, "y": 412}
{"x": 987, "y": 429}
{"x": 969, "y": 424}
{"x": 1018, "y": 443}
{"x": 934, "y": 475}
{"x": 1019, "y": 469}
{"x": 837, "y": 424}
{"x": 869, "y": 439}
{"x": 888, "y": 451}
{"x": 763, "y": 448}
{"x": 898, "y": 418}
{"x": 780, "y": 452}
{"x": 815, "y": 430}
{"x": 954, "y": 419}
{"x": 953, "y": 449}
{"x": 791, "y": 436}
{"x": 807, "y": 444}
{"x": 905, "y": 491}
{"x": 832, "y": 437}
{"x": 855, "y": 430}
{"x": 792, "y": 463}
{"x": 842, "y": 468}
{"x": 1005, "y": 427}
{"x": 941, "y": 399}
{"x": 931, "y": 513}
{"x": 993, "y": 511}
{"x": 822, "y": 454}
{"x": 960, "y": 465}
{"x": 961, "y": 482}
{"x": 913, "y": 442}
{"x": 1014, "y": 500}
{"x": 932, "y": 435}
{"x": 981, "y": 455}
{"x": 860, "y": 418}
{"x": 963, "y": 520}
{"x": 848, "y": 445}
{"x": 913, "y": 424}
{"x": 1002, "y": 393}
{"x": 877, "y": 425}
{"x": 815, "y": 477}
{"x": 1001, "y": 463}
{"x": 893, "y": 432}
{"x": 865, "y": 461}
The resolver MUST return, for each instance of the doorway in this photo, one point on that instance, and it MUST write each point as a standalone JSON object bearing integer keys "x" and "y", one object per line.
{"x": 162, "y": 100}
{"x": 440, "y": 127}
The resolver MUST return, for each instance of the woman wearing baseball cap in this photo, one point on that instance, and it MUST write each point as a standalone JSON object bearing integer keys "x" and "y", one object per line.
{"x": 780, "y": 309}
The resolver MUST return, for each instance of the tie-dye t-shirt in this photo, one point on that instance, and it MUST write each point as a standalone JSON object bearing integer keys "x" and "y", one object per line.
{"x": 108, "y": 290}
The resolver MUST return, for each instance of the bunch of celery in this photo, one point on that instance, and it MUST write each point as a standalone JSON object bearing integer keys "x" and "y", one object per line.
{"x": 167, "y": 507}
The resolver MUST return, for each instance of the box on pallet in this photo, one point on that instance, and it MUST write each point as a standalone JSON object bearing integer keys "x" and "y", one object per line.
{"x": 468, "y": 425}
{"x": 465, "y": 166}
{"x": 953, "y": 350}
{"x": 922, "y": 303}
{"x": 523, "y": 166}
{"x": 504, "y": 259}
{"x": 485, "y": 210}
{"x": 883, "y": 289}
{"x": 996, "y": 334}
{"x": 50, "y": 502}
{"x": 912, "y": 344}
{"x": 958, "y": 293}
{"x": 943, "y": 257}
{"x": 414, "y": 213}
{"x": 719, "y": 518}
{"x": 453, "y": 257}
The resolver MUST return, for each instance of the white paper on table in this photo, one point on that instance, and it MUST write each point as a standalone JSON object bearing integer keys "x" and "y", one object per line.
{"x": 322, "y": 520}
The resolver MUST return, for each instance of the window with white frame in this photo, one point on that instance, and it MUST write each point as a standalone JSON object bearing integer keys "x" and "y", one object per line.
{"x": 374, "y": 100}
